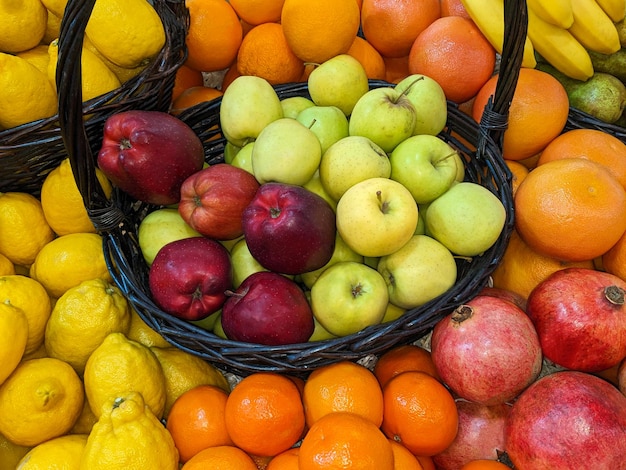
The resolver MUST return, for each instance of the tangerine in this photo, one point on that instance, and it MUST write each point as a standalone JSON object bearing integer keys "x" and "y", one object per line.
{"x": 287, "y": 460}
{"x": 401, "y": 359}
{"x": 614, "y": 260}
{"x": 403, "y": 459}
{"x": 255, "y": 12}
{"x": 396, "y": 68}
{"x": 369, "y": 57}
{"x": 453, "y": 8}
{"x": 484, "y": 464}
{"x": 220, "y": 458}
{"x": 193, "y": 96}
{"x": 186, "y": 77}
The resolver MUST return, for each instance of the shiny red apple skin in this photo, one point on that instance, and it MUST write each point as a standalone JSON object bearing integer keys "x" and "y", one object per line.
{"x": 566, "y": 420}
{"x": 289, "y": 229}
{"x": 189, "y": 278}
{"x": 148, "y": 154}
{"x": 268, "y": 309}
{"x": 579, "y": 328}
{"x": 213, "y": 199}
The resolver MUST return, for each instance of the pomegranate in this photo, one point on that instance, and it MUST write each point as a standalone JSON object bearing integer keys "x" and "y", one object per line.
{"x": 480, "y": 435}
{"x": 486, "y": 350}
{"x": 566, "y": 420}
{"x": 505, "y": 294}
{"x": 621, "y": 377}
{"x": 580, "y": 317}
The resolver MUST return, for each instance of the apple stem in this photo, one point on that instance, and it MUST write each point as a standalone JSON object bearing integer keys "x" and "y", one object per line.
{"x": 232, "y": 293}
{"x": 462, "y": 313}
{"x": 464, "y": 258}
{"x": 615, "y": 294}
{"x": 312, "y": 123}
{"x": 357, "y": 290}
{"x": 406, "y": 90}
{"x": 384, "y": 205}
{"x": 125, "y": 144}
{"x": 450, "y": 155}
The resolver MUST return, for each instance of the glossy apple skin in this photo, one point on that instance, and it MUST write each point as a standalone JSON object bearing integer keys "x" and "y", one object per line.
{"x": 212, "y": 200}
{"x": 189, "y": 277}
{"x": 579, "y": 328}
{"x": 148, "y": 154}
{"x": 269, "y": 309}
{"x": 566, "y": 420}
{"x": 289, "y": 229}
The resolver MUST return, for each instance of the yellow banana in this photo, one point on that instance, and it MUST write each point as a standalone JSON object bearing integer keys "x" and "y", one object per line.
{"x": 556, "y": 12}
{"x": 559, "y": 48}
{"x": 593, "y": 28}
{"x": 616, "y": 9}
{"x": 489, "y": 17}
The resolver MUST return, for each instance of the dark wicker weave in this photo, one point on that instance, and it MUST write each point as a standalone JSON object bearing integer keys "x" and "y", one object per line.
{"x": 578, "y": 119}
{"x": 28, "y": 152}
{"x": 118, "y": 219}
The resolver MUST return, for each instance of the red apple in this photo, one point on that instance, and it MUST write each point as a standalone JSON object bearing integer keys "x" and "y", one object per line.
{"x": 289, "y": 229}
{"x": 189, "y": 278}
{"x": 568, "y": 420}
{"x": 148, "y": 154}
{"x": 212, "y": 200}
{"x": 580, "y": 317}
{"x": 486, "y": 350}
{"x": 268, "y": 308}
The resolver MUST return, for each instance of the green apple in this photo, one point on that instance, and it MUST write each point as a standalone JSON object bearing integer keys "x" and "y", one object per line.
{"x": 230, "y": 150}
{"x": 292, "y": 105}
{"x": 248, "y": 105}
{"x": 286, "y": 151}
{"x": 228, "y": 244}
{"x": 339, "y": 81}
{"x": 460, "y": 167}
{"x": 328, "y": 123}
{"x": 424, "y": 164}
{"x": 208, "y": 323}
{"x": 376, "y": 216}
{"x": 467, "y": 219}
{"x": 217, "y": 326}
{"x": 319, "y": 332}
{"x": 243, "y": 159}
{"x": 420, "y": 271}
{"x": 348, "y": 297}
{"x": 315, "y": 185}
{"x": 159, "y": 228}
{"x": 430, "y": 103}
{"x": 243, "y": 263}
{"x": 392, "y": 313}
{"x": 384, "y": 115}
{"x": 342, "y": 252}
{"x": 349, "y": 161}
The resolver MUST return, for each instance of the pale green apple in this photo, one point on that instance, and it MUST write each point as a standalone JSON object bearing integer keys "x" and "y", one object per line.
{"x": 420, "y": 271}
{"x": 328, "y": 123}
{"x": 228, "y": 244}
{"x": 208, "y": 323}
{"x": 425, "y": 165}
{"x": 376, "y": 216}
{"x": 248, "y": 105}
{"x": 315, "y": 186}
{"x": 292, "y": 105}
{"x": 243, "y": 159}
{"x": 429, "y": 100}
{"x": 342, "y": 252}
{"x": 467, "y": 219}
{"x": 339, "y": 81}
{"x": 392, "y": 313}
{"x": 385, "y": 116}
{"x": 217, "y": 326}
{"x": 287, "y": 152}
{"x": 460, "y": 168}
{"x": 348, "y": 297}
{"x": 242, "y": 262}
{"x": 319, "y": 332}
{"x": 350, "y": 161}
{"x": 230, "y": 150}
{"x": 159, "y": 228}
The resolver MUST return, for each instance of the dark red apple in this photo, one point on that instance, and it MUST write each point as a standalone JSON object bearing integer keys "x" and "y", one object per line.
{"x": 148, "y": 154}
{"x": 505, "y": 294}
{"x": 580, "y": 317}
{"x": 289, "y": 229}
{"x": 568, "y": 420}
{"x": 189, "y": 278}
{"x": 268, "y": 308}
{"x": 212, "y": 200}
{"x": 486, "y": 350}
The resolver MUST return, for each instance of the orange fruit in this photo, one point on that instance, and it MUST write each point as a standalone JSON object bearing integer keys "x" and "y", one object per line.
{"x": 614, "y": 260}
{"x": 264, "y": 414}
{"x": 196, "y": 420}
{"x": 396, "y": 68}
{"x": 369, "y": 57}
{"x": 317, "y": 31}
{"x": 426, "y": 462}
{"x": 571, "y": 209}
{"x": 264, "y": 52}
{"x": 522, "y": 268}
{"x": 214, "y": 36}
{"x": 538, "y": 112}
{"x": 401, "y": 359}
{"x": 453, "y": 8}
{"x": 230, "y": 75}
{"x": 287, "y": 460}
{"x": 194, "y": 95}
{"x": 419, "y": 412}
{"x": 454, "y": 52}
{"x": 484, "y": 464}
{"x": 255, "y": 12}
{"x": 345, "y": 440}
{"x": 592, "y": 144}
{"x": 403, "y": 459}
{"x": 186, "y": 77}
{"x": 342, "y": 386}
{"x": 220, "y": 458}
{"x": 391, "y": 26}
{"x": 519, "y": 172}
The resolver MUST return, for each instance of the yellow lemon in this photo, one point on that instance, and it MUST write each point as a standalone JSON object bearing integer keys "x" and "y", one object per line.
{"x": 85, "y": 421}
{"x": 53, "y": 28}
{"x": 11, "y": 454}
{"x": 13, "y": 336}
{"x": 82, "y": 317}
{"x": 140, "y": 331}
{"x": 69, "y": 260}
{"x": 120, "y": 365}
{"x": 122, "y": 73}
{"x": 6, "y": 266}
{"x": 56, "y": 7}
{"x": 23, "y": 227}
{"x": 31, "y": 297}
{"x": 23, "y": 24}
{"x": 37, "y": 56}
{"x": 62, "y": 452}
{"x": 128, "y": 436}
{"x": 40, "y": 400}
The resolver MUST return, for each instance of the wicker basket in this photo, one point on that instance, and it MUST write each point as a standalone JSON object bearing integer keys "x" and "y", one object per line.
{"x": 119, "y": 217}
{"x": 578, "y": 119}
{"x": 28, "y": 152}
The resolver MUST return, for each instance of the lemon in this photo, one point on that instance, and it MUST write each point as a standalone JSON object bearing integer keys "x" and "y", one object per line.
{"x": 30, "y": 296}
{"x": 6, "y": 266}
{"x": 69, "y": 260}
{"x": 23, "y": 227}
{"x": 140, "y": 331}
{"x": 123, "y": 74}
{"x": 13, "y": 336}
{"x": 11, "y": 454}
{"x": 37, "y": 56}
{"x": 129, "y": 437}
{"x": 82, "y": 317}
{"x": 120, "y": 365}
{"x": 62, "y": 452}
{"x": 53, "y": 28}
{"x": 85, "y": 421}
{"x": 56, "y": 7}
{"x": 40, "y": 400}
{"x": 23, "y": 24}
